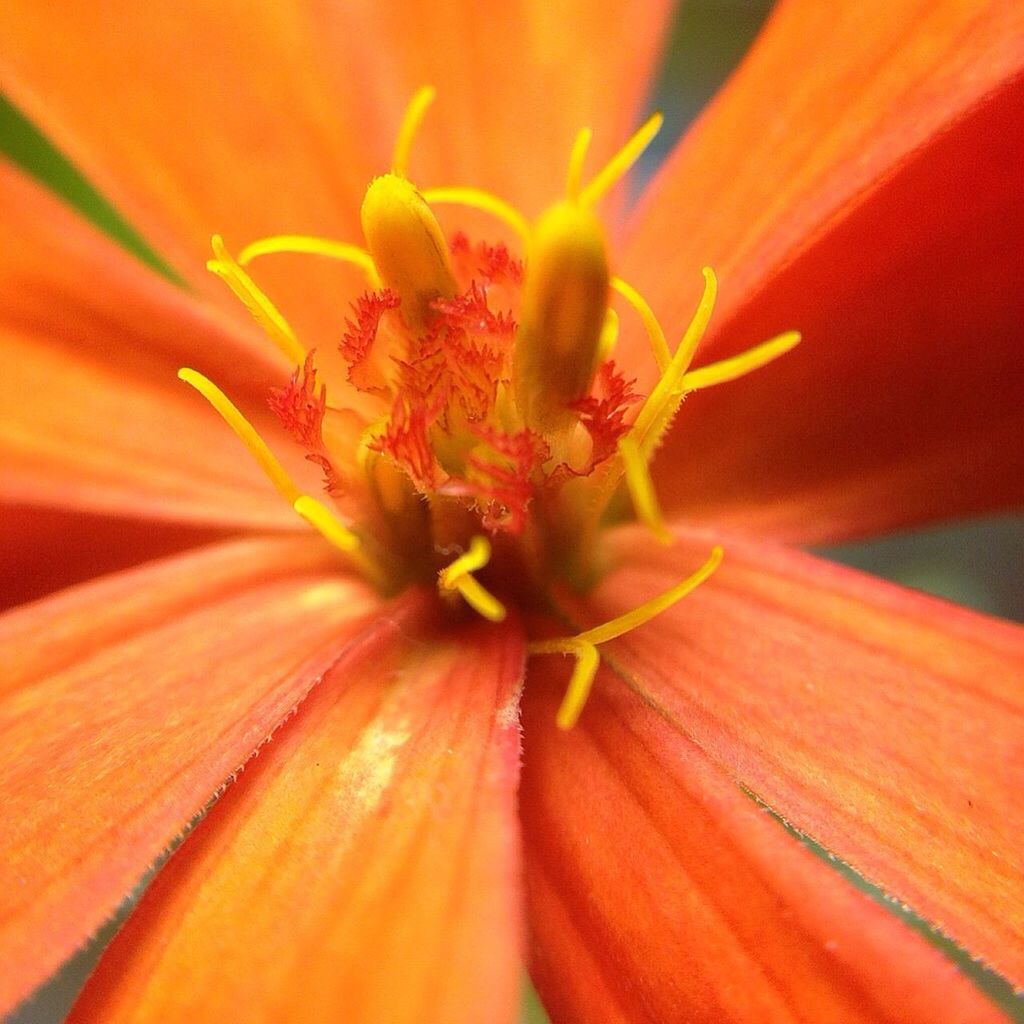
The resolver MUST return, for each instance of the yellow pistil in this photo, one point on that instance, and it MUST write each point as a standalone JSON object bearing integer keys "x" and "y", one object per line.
{"x": 262, "y": 309}
{"x": 407, "y": 246}
{"x": 343, "y": 251}
{"x": 564, "y": 302}
{"x": 583, "y": 646}
{"x": 458, "y": 578}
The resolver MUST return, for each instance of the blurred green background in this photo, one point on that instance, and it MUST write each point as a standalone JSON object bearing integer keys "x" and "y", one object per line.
{"x": 977, "y": 564}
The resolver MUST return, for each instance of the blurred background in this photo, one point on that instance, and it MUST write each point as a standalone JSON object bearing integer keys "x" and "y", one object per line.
{"x": 977, "y": 564}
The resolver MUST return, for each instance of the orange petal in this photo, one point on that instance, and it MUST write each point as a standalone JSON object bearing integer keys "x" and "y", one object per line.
{"x": 283, "y": 112}
{"x": 93, "y": 414}
{"x": 363, "y": 868}
{"x": 125, "y": 703}
{"x": 659, "y": 891}
{"x": 45, "y": 549}
{"x": 496, "y": 67}
{"x": 887, "y": 725}
{"x": 858, "y": 180}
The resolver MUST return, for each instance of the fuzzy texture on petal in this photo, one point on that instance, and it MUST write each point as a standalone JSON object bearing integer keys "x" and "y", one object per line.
{"x": 92, "y": 414}
{"x": 857, "y": 180}
{"x": 364, "y": 868}
{"x": 886, "y": 725}
{"x": 126, "y": 703}
{"x": 659, "y": 891}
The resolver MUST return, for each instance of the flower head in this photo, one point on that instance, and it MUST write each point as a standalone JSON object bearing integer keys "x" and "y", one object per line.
{"x": 474, "y": 390}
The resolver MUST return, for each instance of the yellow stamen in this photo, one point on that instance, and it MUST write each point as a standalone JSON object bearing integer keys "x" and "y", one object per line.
{"x": 660, "y": 407}
{"x": 564, "y": 301}
{"x": 262, "y": 309}
{"x": 659, "y": 346}
{"x": 478, "y": 199}
{"x": 574, "y": 175}
{"x": 326, "y": 523}
{"x": 246, "y": 433}
{"x": 458, "y": 577}
{"x": 622, "y": 161}
{"x": 641, "y": 489}
{"x": 343, "y": 251}
{"x": 738, "y": 366}
{"x": 583, "y": 646}
{"x": 407, "y": 246}
{"x": 609, "y": 335}
{"x": 411, "y": 121}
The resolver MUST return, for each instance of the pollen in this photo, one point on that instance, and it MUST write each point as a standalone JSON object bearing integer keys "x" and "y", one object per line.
{"x": 471, "y": 431}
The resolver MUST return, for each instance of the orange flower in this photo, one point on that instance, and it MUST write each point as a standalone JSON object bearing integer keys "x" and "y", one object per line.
{"x": 858, "y": 178}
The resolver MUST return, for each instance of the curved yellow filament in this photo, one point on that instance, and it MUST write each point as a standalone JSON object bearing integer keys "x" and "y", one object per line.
{"x": 246, "y": 433}
{"x": 583, "y": 646}
{"x": 740, "y": 365}
{"x": 411, "y": 121}
{"x": 619, "y": 164}
{"x": 659, "y": 346}
{"x": 478, "y": 199}
{"x": 574, "y": 174}
{"x": 343, "y": 251}
{"x": 262, "y": 309}
{"x": 457, "y": 577}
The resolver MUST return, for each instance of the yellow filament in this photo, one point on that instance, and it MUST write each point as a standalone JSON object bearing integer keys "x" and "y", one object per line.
{"x": 738, "y": 366}
{"x": 583, "y": 646}
{"x": 262, "y": 309}
{"x": 659, "y": 346}
{"x": 574, "y": 175}
{"x": 641, "y": 489}
{"x": 246, "y": 433}
{"x": 411, "y": 121}
{"x": 581, "y": 680}
{"x": 458, "y": 577}
{"x": 609, "y": 335}
{"x": 478, "y": 199}
{"x": 326, "y": 523}
{"x": 343, "y": 251}
{"x": 662, "y": 403}
{"x": 619, "y": 164}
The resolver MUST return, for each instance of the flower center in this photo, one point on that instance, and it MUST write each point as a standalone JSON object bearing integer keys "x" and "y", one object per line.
{"x": 481, "y": 431}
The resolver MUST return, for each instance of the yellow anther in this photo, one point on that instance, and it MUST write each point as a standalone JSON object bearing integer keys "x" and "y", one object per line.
{"x": 641, "y": 489}
{"x": 659, "y": 346}
{"x": 343, "y": 251}
{"x": 411, "y": 121}
{"x": 478, "y": 199}
{"x": 738, "y": 366}
{"x": 246, "y": 433}
{"x": 619, "y": 164}
{"x": 574, "y": 175}
{"x": 407, "y": 246}
{"x": 457, "y": 578}
{"x": 564, "y": 301}
{"x": 262, "y": 309}
{"x": 583, "y": 646}
{"x": 609, "y": 335}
